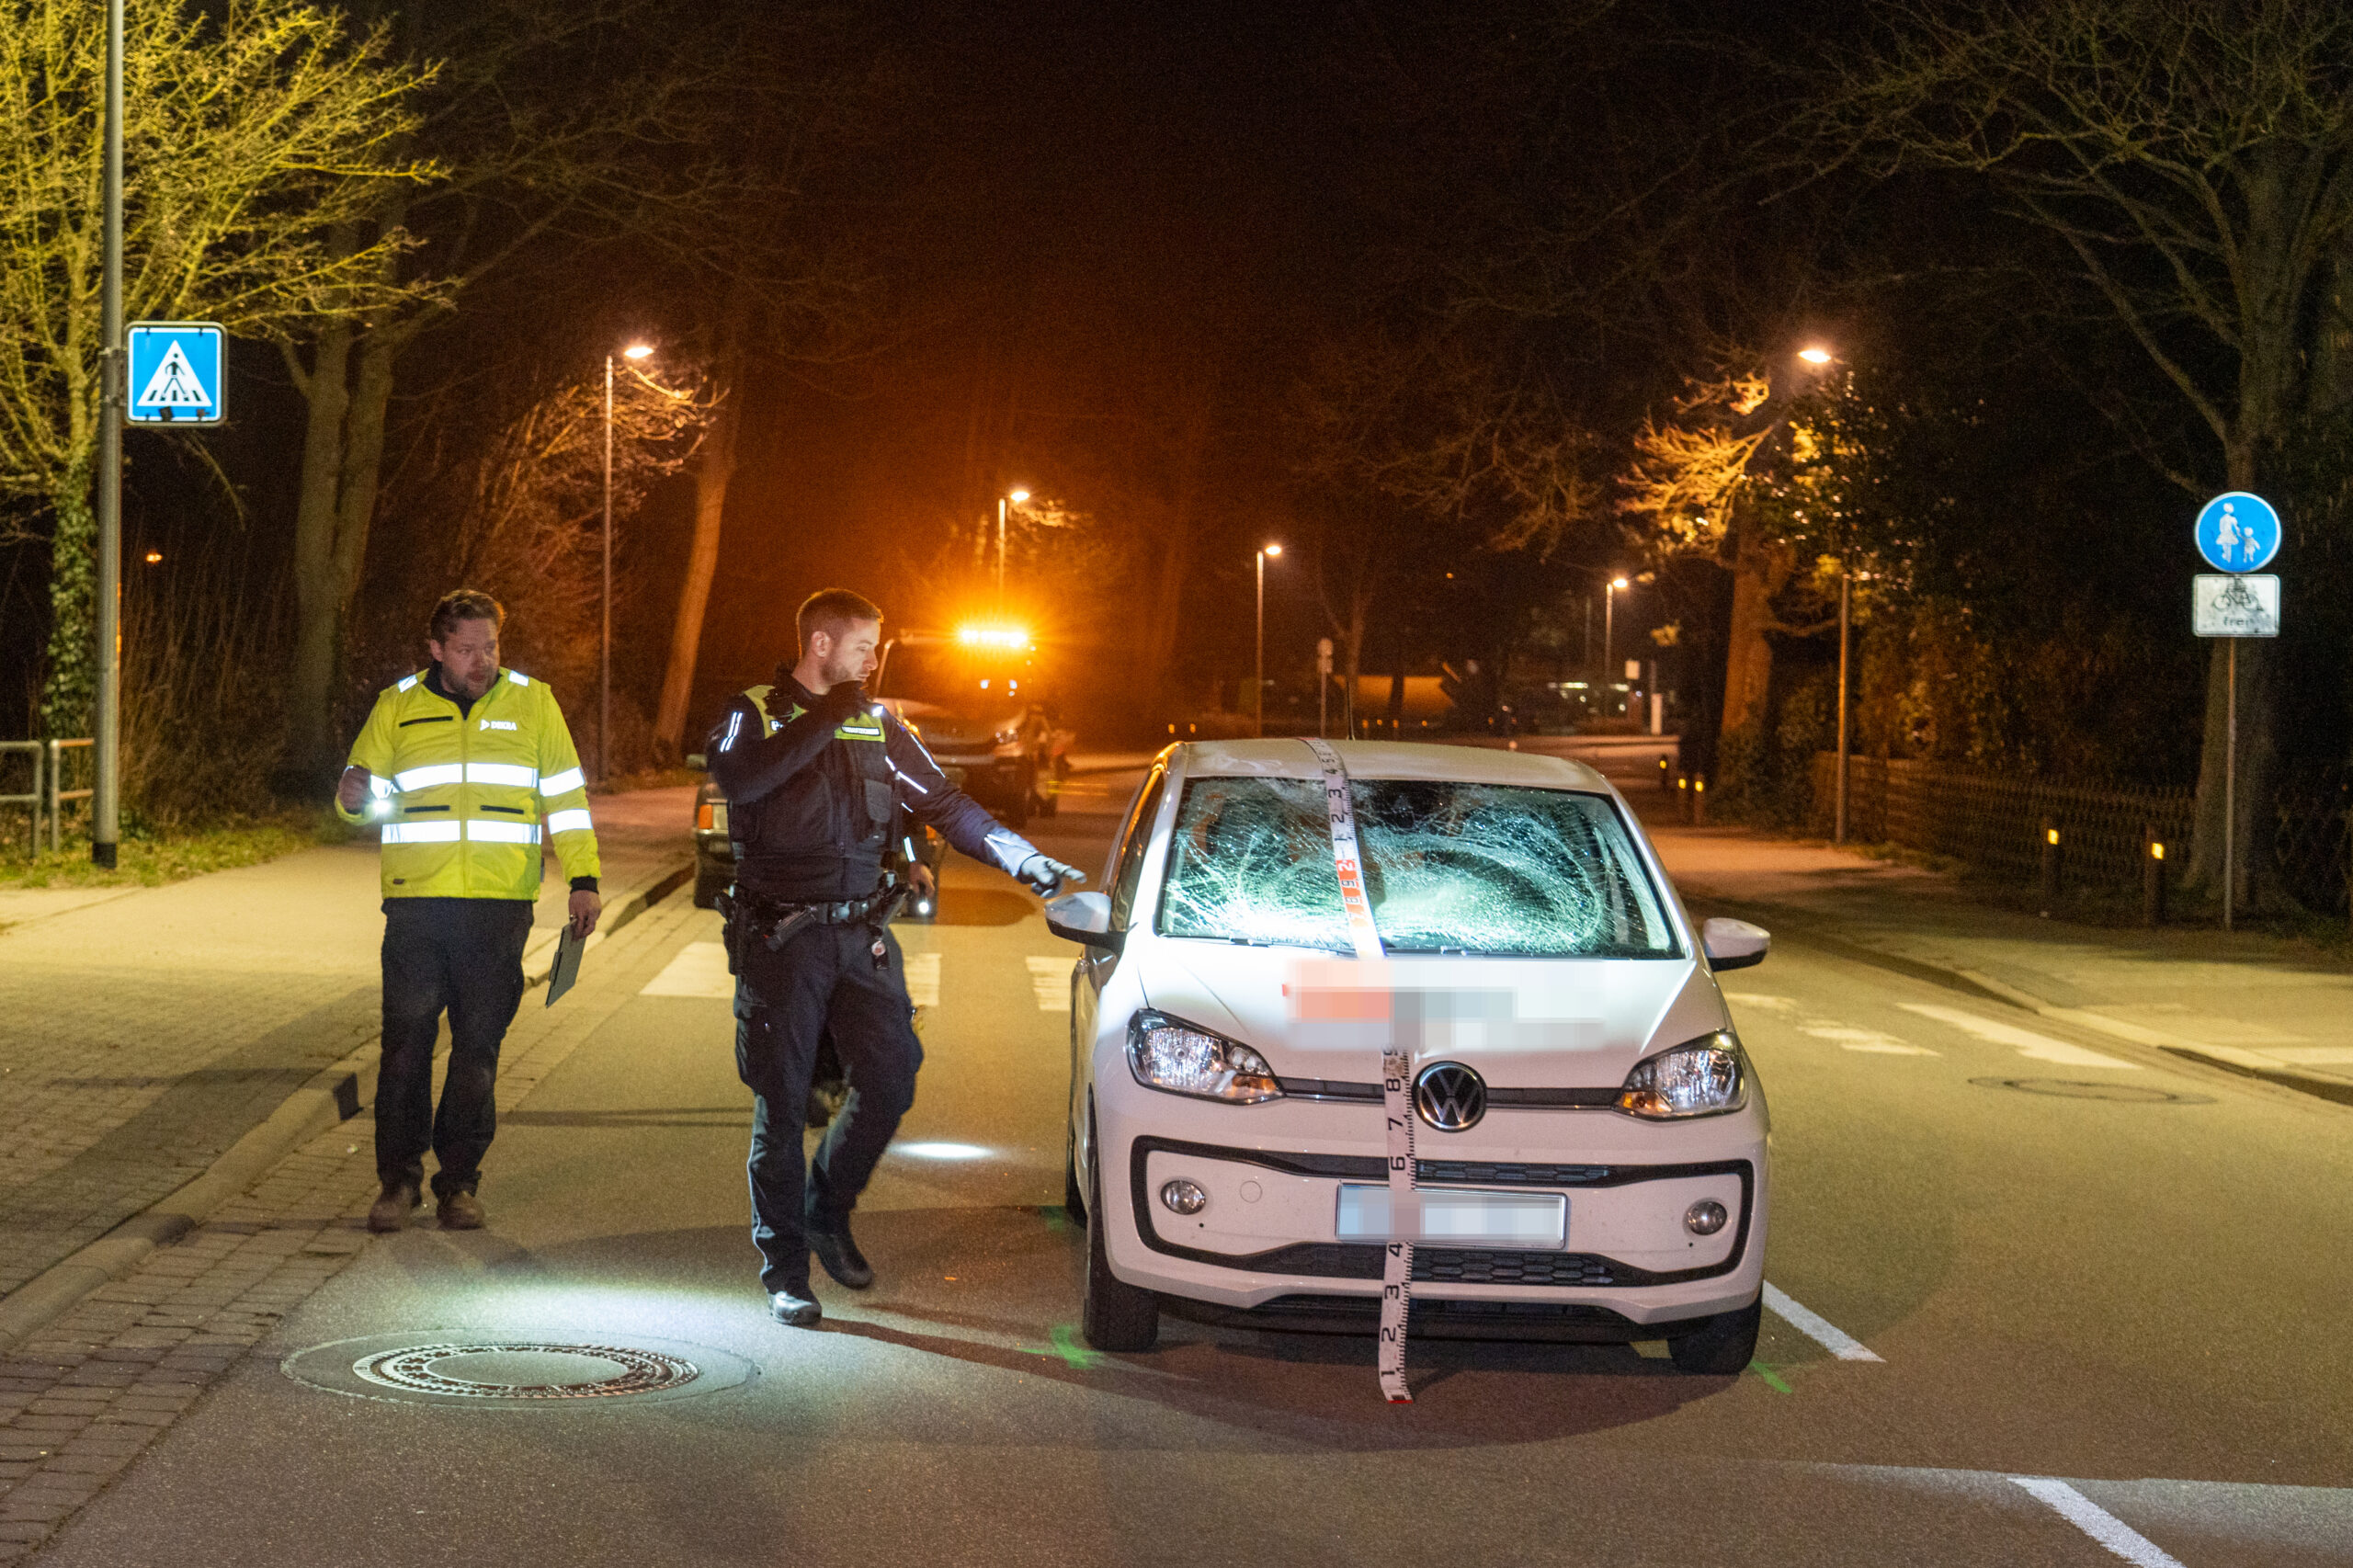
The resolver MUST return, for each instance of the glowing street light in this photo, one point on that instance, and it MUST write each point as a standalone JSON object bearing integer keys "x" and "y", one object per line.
{"x": 1259, "y": 701}
{"x": 1016, "y": 496}
{"x": 1609, "y": 618}
{"x": 1815, "y": 355}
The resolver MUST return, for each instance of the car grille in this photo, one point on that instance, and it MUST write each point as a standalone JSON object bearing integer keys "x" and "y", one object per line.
{"x": 1491, "y": 1175}
{"x": 1450, "y": 1266}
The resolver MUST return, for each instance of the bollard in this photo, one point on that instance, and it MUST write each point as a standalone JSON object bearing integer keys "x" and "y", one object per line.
{"x": 2152, "y": 878}
{"x": 1682, "y": 798}
{"x": 1666, "y": 777}
{"x": 2050, "y": 867}
{"x": 1699, "y": 802}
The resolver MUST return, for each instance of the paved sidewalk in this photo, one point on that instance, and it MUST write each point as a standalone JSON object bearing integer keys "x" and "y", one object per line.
{"x": 143, "y": 1032}
{"x": 81, "y": 1399}
{"x": 2256, "y": 1003}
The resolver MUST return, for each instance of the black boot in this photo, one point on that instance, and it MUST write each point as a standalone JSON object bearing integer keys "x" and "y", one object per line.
{"x": 794, "y": 1308}
{"x": 840, "y": 1253}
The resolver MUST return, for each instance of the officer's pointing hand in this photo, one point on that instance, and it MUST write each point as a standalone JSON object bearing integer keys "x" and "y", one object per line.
{"x": 1041, "y": 874}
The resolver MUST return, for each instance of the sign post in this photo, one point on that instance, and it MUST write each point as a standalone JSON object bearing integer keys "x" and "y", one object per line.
{"x": 2238, "y": 533}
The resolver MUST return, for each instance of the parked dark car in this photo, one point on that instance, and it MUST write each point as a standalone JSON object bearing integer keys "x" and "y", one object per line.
{"x": 978, "y": 699}
{"x": 715, "y": 856}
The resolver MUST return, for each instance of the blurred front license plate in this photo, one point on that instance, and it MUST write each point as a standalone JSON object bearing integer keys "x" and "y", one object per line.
{"x": 1531, "y": 1221}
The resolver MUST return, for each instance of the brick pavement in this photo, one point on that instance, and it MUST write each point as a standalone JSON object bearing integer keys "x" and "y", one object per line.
{"x": 80, "y": 1400}
{"x": 141, "y": 1035}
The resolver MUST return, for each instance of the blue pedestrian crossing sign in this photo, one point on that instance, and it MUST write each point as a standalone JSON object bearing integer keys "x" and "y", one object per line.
{"x": 176, "y": 372}
{"x": 2238, "y": 532}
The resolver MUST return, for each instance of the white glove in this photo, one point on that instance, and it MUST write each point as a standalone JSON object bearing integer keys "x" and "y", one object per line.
{"x": 1041, "y": 874}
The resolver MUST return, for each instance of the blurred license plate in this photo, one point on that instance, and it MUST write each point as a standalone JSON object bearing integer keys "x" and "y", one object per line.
{"x": 1531, "y": 1221}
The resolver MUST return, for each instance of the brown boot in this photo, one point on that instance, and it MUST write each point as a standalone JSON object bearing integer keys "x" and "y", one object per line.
{"x": 460, "y": 1210}
{"x": 391, "y": 1211}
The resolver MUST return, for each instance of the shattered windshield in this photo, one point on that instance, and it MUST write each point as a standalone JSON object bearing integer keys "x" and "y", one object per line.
{"x": 1484, "y": 869}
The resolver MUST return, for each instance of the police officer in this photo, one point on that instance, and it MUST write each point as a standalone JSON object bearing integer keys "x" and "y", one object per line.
{"x": 813, "y": 773}
{"x": 467, "y": 767}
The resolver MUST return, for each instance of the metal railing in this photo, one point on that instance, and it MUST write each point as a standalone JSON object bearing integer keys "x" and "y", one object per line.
{"x": 1996, "y": 822}
{"x": 58, "y": 797}
{"x": 47, "y": 798}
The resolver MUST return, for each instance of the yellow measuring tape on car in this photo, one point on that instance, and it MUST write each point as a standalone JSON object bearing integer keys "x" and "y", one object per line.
{"x": 1397, "y": 1083}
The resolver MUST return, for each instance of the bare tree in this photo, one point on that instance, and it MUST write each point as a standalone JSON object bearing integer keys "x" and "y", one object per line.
{"x": 555, "y": 122}
{"x": 255, "y": 135}
{"x": 2194, "y": 158}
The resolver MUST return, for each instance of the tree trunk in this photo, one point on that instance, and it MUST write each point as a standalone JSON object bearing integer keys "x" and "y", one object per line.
{"x": 349, "y": 387}
{"x": 1176, "y": 553}
{"x": 69, "y": 692}
{"x": 1757, "y": 575}
{"x": 711, "y": 477}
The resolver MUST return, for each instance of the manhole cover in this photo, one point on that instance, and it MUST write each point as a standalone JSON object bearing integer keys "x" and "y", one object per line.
{"x": 477, "y": 1371}
{"x": 2076, "y": 1089}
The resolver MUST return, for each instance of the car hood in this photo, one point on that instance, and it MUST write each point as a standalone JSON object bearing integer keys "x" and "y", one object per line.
{"x": 942, "y": 726}
{"x": 1524, "y": 1023}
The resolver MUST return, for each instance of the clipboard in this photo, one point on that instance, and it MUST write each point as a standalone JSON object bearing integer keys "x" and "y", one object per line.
{"x": 566, "y": 968}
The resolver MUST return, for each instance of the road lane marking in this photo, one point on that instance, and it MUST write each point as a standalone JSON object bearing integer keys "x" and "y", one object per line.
{"x": 2098, "y": 1522}
{"x": 922, "y": 979}
{"x": 1870, "y": 1040}
{"x": 1050, "y": 979}
{"x": 2041, "y": 1046}
{"x": 699, "y": 969}
{"x": 1816, "y": 1327}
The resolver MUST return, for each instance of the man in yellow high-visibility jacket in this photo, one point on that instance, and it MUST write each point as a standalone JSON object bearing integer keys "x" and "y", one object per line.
{"x": 468, "y": 768}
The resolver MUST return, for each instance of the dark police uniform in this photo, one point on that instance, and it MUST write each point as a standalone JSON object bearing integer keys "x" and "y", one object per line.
{"x": 812, "y": 786}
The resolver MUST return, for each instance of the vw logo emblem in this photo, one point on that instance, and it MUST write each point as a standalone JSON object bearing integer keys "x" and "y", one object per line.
{"x": 1449, "y": 1096}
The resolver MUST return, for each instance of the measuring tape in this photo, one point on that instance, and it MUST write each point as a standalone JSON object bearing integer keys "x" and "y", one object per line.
{"x": 1396, "y": 1082}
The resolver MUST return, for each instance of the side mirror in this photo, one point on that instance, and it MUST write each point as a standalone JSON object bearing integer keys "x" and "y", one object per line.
{"x": 1083, "y": 917}
{"x": 698, "y": 762}
{"x": 1734, "y": 943}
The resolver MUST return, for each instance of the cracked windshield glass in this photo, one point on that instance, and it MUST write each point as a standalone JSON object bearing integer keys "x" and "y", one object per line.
{"x": 1481, "y": 869}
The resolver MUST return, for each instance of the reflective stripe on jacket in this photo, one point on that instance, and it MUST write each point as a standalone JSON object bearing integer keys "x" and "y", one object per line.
{"x": 465, "y": 799}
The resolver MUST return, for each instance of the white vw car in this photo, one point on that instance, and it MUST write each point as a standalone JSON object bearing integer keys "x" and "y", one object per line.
{"x": 1591, "y": 1142}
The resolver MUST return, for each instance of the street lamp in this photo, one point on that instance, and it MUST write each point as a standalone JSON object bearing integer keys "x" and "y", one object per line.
{"x": 633, "y": 353}
{"x": 1815, "y": 354}
{"x": 1016, "y": 497}
{"x": 1258, "y": 700}
{"x": 1608, "y": 619}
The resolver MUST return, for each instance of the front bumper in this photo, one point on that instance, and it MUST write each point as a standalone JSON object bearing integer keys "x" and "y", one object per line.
{"x": 1267, "y": 1243}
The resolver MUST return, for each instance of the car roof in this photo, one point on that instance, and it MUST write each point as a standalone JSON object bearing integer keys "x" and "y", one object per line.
{"x": 1389, "y": 759}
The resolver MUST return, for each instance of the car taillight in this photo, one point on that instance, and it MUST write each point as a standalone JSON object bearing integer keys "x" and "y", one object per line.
{"x": 711, "y": 816}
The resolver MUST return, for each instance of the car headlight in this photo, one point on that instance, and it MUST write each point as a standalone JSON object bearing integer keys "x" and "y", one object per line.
{"x": 1706, "y": 1077}
{"x": 1168, "y": 1053}
{"x": 1007, "y": 735}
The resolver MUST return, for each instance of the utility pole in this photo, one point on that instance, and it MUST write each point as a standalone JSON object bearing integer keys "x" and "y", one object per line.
{"x": 1838, "y": 829}
{"x": 106, "y": 797}
{"x": 604, "y": 640}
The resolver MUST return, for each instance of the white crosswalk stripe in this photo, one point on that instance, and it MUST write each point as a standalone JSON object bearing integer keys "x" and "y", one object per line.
{"x": 700, "y": 969}
{"x": 1049, "y": 978}
{"x": 2038, "y": 1047}
{"x": 922, "y": 979}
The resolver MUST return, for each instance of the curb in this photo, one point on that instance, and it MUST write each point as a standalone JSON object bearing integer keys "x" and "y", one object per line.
{"x": 334, "y": 1096}
{"x": 1970, "y": 983}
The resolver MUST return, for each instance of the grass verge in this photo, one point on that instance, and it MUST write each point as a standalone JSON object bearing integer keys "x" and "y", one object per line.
{"x": 150, "y": 858}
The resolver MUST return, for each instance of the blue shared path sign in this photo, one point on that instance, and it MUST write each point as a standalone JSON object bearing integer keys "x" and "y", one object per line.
{"x": 176, "y": 372}
{"x": 2238, "y": 532}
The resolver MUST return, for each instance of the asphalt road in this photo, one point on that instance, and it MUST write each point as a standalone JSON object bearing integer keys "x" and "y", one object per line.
{"x": 2074, "y": 1263}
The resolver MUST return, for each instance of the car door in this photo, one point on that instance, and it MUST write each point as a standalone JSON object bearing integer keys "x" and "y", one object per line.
{"x": 1095, "y": 964}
